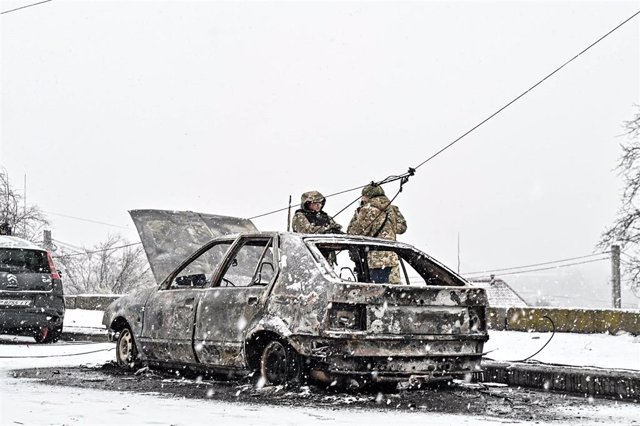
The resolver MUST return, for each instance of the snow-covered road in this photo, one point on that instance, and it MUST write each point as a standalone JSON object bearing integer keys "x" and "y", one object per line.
{"x": 25, "y": 401}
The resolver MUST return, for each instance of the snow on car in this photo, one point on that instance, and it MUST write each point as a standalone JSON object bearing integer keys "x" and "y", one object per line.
{"x": 289, "y": 307}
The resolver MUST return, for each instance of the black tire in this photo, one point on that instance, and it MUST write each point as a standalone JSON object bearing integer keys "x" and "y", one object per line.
{"x": 47, "y": 334}
{"x": 280, "y": 364}
{"x": 126, "y": 350}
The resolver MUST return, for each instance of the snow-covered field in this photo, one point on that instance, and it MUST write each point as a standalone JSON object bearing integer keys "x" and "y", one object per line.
{"x": 24, "y": 401}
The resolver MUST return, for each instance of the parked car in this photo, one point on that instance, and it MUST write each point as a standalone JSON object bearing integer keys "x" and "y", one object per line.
{"x": 31, "y": 295}
{"x": 289, "y": 306}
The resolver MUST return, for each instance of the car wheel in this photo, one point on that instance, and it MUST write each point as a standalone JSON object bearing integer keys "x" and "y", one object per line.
{"x": 126, "y": 351}
{"x": 280, "y": 364}
{"x": 47, "y": 335}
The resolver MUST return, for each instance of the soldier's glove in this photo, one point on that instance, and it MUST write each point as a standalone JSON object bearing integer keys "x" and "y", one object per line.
{"x": 335, "y": 229}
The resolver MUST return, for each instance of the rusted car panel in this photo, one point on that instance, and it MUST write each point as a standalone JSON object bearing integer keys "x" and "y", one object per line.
{"x": 255, "y": 299}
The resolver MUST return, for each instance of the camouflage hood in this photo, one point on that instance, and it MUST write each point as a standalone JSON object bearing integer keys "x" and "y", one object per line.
{"x": 311, "y": 196}
{"x": 380, "y": 202}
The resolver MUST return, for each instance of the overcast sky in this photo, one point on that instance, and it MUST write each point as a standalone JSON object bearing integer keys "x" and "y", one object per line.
{"x": 229, "y": 108}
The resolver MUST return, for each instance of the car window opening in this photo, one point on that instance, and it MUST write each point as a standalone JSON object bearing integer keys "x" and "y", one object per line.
{"x": 402, "y": 266}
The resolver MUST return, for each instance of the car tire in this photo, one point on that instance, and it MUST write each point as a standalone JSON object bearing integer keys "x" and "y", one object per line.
{"x": 280, "y": 364}
{"x": 126, "y": 351}
{"x": 47, "y": 334}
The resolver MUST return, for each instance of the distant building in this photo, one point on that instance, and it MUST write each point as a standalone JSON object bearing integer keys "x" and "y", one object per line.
{"x": 499, "y": 293}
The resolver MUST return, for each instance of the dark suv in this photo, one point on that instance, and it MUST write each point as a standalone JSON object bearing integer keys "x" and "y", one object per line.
{"x": 31, "y": 297}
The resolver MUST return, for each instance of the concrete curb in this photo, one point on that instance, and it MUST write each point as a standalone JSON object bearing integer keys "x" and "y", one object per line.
{"x": 618, "y": 384}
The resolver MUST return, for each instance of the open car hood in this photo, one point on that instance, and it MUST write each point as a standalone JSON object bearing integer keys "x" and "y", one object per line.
{"x": 170, "y": 236}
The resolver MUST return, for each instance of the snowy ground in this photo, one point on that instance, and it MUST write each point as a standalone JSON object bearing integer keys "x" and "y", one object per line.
{"x": 27, "y": 402}
{"x": 588, "y": 350}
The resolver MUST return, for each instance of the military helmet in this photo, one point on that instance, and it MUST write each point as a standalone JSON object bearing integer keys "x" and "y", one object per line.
{"x": 372, "y": 190}
{"x": 311, "y": 197}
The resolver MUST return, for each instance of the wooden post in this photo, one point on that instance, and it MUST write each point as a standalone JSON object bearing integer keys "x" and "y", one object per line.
{"x": 615, "y": 276}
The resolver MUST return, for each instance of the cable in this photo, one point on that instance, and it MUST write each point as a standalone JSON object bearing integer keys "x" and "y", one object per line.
{"x": 489, "y": 117}
{"x": 553, "y": 333}
{"x": 328, "y": 196}
{"x": 528, "y": 90}
{"x": 56, "y": 356}
{"x": 24, "y": 7}
{"x": 78, "y": 249}
{"x": 542, "y": 269}
{"x": 535, "y": 264}
{"x": 89, "y": 220}
{"x": 95, "y": 251}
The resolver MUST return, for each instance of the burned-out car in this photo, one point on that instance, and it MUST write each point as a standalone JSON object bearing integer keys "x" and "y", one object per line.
{"x": 289, "y": 306}
{"x": 31, "y": 294}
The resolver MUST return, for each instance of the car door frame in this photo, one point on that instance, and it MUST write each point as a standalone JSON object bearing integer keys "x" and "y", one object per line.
{"x": 223, "y": 345}
{"x": 169, "y": 313}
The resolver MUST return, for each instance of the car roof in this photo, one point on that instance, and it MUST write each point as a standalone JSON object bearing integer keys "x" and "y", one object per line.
{"x": 7, "y": 241}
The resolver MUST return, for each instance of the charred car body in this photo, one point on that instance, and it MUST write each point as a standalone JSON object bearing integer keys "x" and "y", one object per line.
{"x": 31, "y": 295}
{"x": 288, "y": 306}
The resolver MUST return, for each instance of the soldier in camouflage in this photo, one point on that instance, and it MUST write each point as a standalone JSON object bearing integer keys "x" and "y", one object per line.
{"x": 311, "y": 219}
{"x": 377, "y": 217}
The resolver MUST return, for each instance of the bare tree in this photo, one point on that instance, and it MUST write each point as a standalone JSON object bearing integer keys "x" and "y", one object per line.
{"x": 111, "y": 267}
{"x": 626, "y": 228}
{"x": 26, "y": 221}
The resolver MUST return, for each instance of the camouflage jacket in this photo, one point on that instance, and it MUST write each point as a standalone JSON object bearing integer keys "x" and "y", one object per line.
{"x": 310, "y": 222}
{"x": 379, "y": 218}
{"x": 307, "y": 221}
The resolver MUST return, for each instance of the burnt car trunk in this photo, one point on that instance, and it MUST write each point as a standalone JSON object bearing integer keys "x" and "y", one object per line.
{"x": 387, "y": 333}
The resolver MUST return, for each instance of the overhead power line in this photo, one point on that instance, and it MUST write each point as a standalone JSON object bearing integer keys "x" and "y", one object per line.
{"x": 508, "y": 104}
{"x": 542, "y": 269}
{"x": 24, "y": 7}
{"x": 89, "y": 220}
{"x": 529, "y": 89}
{"x": 536, "y": 264}
{"x": 97, "y": 251}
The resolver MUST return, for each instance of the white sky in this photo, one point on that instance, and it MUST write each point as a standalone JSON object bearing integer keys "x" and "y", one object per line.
{"x": 229, "y": 108}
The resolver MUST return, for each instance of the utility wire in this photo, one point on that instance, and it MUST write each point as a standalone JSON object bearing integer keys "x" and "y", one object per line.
{"x": 70, "y": 246}
{"x": 528, "y": 90}
{"x": 535, "y": 264}
{"x": 96, "y": 251}
{"x": 24, "y": 7}
{"x": 489, "y": 117}
{"x": 88, "y": 220}
{"x": 542, "y": 269}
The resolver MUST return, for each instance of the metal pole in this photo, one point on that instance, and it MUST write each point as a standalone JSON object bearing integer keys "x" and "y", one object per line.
{"x": 46, "y": 239}
{"x": 24, "y": 206}
{"x": 458, "y": 252}
{"x": 289, "y": 216}
{"x": 615, "y": 276}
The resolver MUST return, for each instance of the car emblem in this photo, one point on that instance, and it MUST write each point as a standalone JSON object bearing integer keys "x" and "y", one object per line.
{"x": 13, "y": 280}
